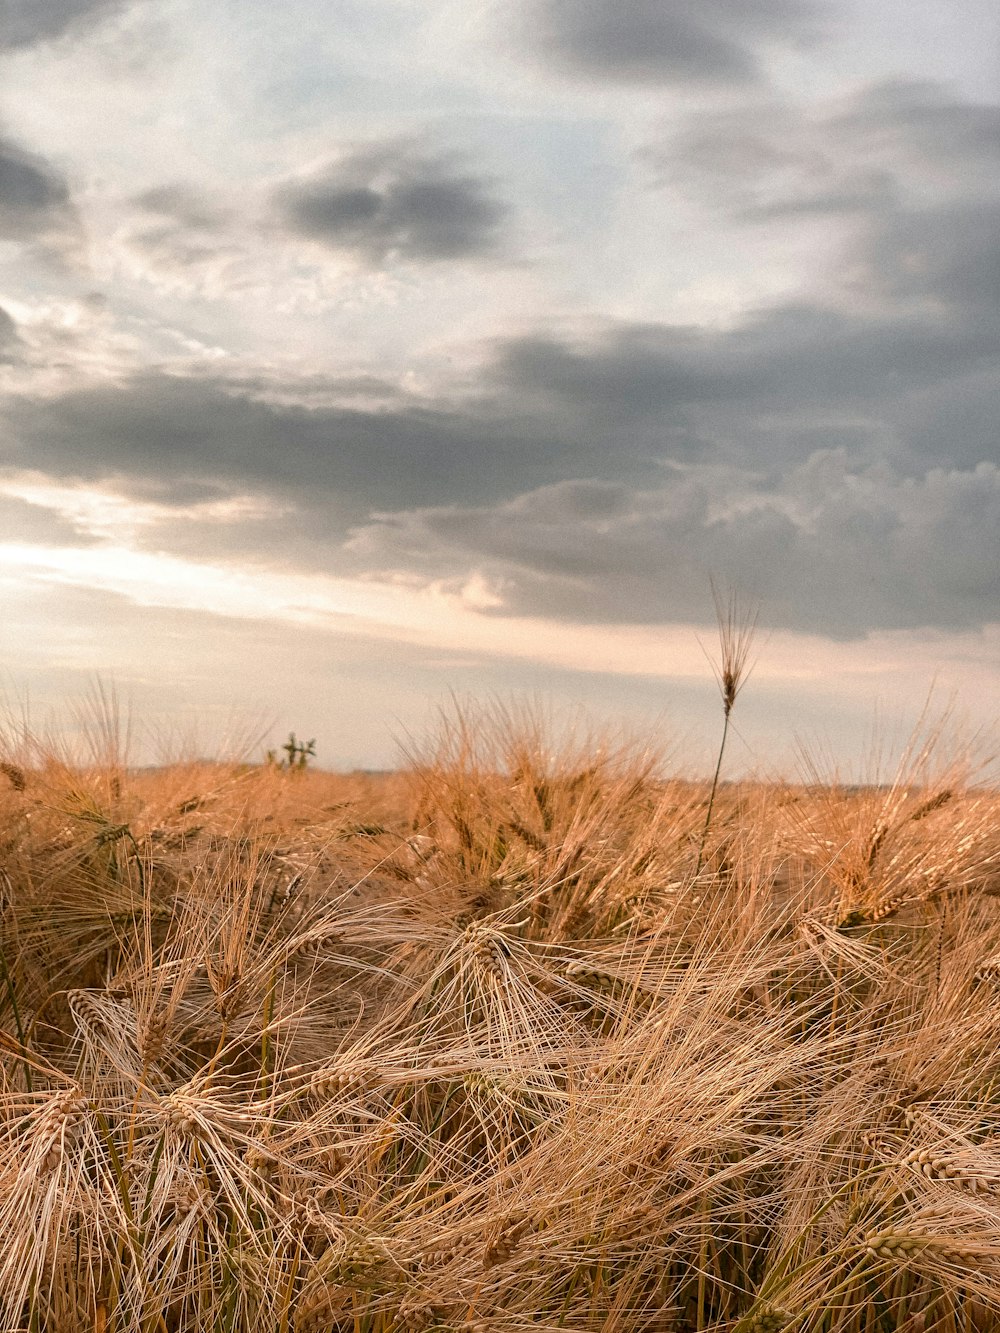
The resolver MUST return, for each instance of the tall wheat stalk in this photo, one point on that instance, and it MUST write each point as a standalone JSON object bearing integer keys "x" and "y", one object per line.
{"x": 737, "y": 627}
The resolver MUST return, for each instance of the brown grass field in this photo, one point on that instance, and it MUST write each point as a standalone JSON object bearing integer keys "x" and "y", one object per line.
{"x": 503, "y": 1041}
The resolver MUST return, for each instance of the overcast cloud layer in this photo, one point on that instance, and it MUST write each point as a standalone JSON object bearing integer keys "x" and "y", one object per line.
{"x": 554, "y": 313}
{"x": 715, "y": 41}
{"x": 28, "y": 22}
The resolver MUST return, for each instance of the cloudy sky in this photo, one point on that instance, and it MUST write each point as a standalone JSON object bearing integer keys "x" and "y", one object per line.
{"x": 354, "y": 352}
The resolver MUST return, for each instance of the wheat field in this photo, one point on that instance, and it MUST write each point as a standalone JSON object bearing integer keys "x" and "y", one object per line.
{"x": 513, "y": 1038}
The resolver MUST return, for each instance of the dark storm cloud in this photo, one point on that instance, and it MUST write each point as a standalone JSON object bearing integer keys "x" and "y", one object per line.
{"x": 35, "y": 203}
{"x": 665, "y": 40}
{"x": 906, "y": 335}
{"x": 948, "y": 253}
{"x": 33, "y": 196}
{"x": 8, "y": 331}
{"x": 793, "y": 362}
{"x": 174, "y": 435}
{"x": 836, "y": 550}
{"x": 26, "y": 22}
{"x": 922, "y": 120}
{"x": 614, "y": 406}
{"x": 865, "y": 156}
{"x": 789, "y": 422}
{"x": 397, "y": 202}
{"x": 761, "y": 396}
{"x": 627, "y": 373}
{"x": 959, "y": 416}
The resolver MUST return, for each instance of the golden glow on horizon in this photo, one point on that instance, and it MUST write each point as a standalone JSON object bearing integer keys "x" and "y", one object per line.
{"x": 451, "y": 619}
{"x": 110, "y": 517}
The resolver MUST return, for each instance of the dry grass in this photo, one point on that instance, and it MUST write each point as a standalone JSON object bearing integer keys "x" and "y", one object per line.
{"x": 481, "y": 1046}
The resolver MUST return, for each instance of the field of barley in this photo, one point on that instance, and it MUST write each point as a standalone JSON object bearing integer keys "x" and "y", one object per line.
{"x": 515, "y": 1038}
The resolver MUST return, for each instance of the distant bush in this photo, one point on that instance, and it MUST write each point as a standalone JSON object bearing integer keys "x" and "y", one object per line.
{"x": 298, "y": 753}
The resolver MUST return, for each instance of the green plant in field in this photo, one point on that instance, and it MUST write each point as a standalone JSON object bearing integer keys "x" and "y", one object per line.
{"x": 298, "y": 753}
